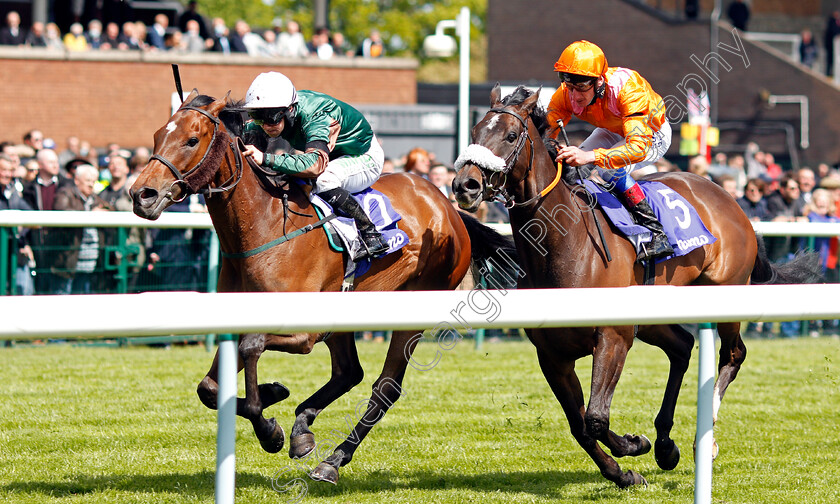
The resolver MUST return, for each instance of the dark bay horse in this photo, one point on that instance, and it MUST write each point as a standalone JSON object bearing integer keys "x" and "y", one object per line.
{"x": 195, "y": 151}
{"x": 559, "y": 246}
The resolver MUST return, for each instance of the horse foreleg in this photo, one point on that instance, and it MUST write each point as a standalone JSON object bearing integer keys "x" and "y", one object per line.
{"x": 208, "y": 389}
{"x": 608, "y": 359}
{"x": 677, "y": 343}
{"x": 269, "y": 432}
{"x": 386, "y": 390}
{"x": 560, "y": 374}
{"x": 346, "y": 373}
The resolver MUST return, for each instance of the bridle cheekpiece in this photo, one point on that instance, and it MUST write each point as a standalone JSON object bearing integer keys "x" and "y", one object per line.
{"x": 217, "y": 143}
{"x": 485, "y": 159}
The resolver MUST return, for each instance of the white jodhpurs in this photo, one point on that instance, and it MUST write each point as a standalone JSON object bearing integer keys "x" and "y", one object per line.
{"x": 605, "y": 139}
{"x": 353, "y": 173}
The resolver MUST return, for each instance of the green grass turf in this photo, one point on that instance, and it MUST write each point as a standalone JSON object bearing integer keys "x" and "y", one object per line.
{"x": 86, "y": 425}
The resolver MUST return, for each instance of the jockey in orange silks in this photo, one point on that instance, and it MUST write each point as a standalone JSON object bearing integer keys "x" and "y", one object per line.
{"x": 631, "y": 132}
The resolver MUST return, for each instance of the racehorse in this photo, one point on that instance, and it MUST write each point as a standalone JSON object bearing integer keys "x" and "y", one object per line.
{"x": 195, "y": 152}
{"x": 555, "y": 234}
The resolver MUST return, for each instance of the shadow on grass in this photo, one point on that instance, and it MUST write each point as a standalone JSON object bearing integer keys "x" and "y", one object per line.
{"x": 541, "y": 483}
{"x": 200, "y": 484}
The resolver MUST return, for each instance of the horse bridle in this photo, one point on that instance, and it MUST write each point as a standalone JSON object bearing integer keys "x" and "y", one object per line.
{"x": 497, "y": 187}
{"x": 182, "y": 179}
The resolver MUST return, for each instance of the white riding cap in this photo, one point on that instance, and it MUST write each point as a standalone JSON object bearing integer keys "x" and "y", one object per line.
{"x": 271, "y": 90}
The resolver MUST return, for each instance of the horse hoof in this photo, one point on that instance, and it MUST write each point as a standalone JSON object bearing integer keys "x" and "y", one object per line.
{"x": 302, "y": 445}
{"x": 274, "y": 442}
{"x": 325, "y": 472}
{"x": 644, "y": 445}
{"x": 273, "y": 393}
{"x": 667, "y": 454}
{"x": 632, "y": 478}
{"x": 635, "y": 446}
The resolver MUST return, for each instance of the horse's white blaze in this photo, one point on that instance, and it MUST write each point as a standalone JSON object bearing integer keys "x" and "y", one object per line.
{"x": 170, "y": 127}
{"x": 492, "y": 122}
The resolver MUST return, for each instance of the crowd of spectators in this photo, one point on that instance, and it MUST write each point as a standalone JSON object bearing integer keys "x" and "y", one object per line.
{"x": 35, "y": 176}
{"x": 768, "y": 193}
{"x": 192, "y": 33}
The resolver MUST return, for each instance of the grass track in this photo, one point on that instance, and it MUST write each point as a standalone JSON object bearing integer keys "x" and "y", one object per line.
{"x": 91, "y": 425}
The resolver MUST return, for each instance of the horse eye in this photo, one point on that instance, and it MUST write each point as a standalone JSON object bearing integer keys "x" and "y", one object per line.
{"x": 192, "y": 142}
{"x": 511, "y": 137}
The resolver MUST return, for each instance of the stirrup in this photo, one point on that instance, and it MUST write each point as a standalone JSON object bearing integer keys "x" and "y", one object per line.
{"x": 373, "y": 245}
{"x": 657, "y": 247}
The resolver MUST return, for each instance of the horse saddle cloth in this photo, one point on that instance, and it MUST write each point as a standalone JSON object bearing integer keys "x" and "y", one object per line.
{"x": 344, "y": 236}
{"x": 683, "y": 226}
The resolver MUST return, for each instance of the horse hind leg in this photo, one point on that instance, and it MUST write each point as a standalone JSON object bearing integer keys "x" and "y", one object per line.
{"x": 346, "y": 373}
{"x": 677, "y": 344}
{"x": 386, "y": 390}
{"x": 733, "y": 352}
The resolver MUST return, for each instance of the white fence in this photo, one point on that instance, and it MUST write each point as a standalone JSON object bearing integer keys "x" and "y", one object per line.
{"x": 257, "y": 312}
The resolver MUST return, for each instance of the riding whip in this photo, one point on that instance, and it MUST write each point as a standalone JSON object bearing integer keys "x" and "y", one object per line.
{"x": 177, "y": 75}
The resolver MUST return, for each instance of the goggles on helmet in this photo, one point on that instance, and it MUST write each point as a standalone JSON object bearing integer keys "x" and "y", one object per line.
{"x": 581, "y": 83}
{"x": 267, "y": 115}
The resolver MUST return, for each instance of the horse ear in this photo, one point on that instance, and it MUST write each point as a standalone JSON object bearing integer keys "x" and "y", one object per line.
{"x": 216, "y": 107}
{"x": 529, "y": 103}
{"x": 193, "y": 94}
{"x": 496, "y": 95}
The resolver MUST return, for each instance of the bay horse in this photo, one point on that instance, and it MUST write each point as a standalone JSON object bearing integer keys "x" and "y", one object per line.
{"x": 558, "y": 246}
{"x": 195, "y": 152}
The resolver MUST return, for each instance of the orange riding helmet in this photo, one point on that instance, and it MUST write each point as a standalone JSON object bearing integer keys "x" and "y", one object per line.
{"x": 582, "y": 58}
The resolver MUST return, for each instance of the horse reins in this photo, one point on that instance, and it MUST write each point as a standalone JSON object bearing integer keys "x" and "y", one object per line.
{"x": 182, "y": 178}
{"x": 510, "y": 161}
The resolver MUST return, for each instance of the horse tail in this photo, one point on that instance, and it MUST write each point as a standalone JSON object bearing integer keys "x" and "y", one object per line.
{"x": 804, "y": 268}
{"x": 494, "y": 256}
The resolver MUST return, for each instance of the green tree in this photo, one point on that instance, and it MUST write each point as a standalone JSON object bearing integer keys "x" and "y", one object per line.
{"x": 403, "y": 25}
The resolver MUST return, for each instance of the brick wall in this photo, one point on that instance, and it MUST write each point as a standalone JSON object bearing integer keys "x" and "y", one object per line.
{"x": 125, "y": 98}
{"x": 797, "y": 8}
{"x": 524, "y": 48}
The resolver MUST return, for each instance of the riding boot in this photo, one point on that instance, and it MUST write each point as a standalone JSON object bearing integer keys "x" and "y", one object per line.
{"x": 346, "y": 205}
{"x": 643, "y": 214}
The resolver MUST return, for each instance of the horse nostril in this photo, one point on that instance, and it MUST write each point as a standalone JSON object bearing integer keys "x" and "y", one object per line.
{"x": 472, "y": 186}
{"x": 147, "y": 194}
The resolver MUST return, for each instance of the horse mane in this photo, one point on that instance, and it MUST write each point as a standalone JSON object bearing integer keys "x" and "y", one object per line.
{"x": 231, "y": 117}
{"x": 231, "y": 114}
{"x": 538, "y": 116}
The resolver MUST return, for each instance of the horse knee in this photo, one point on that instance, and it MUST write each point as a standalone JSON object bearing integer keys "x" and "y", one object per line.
{"x": 251, "y": 346}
